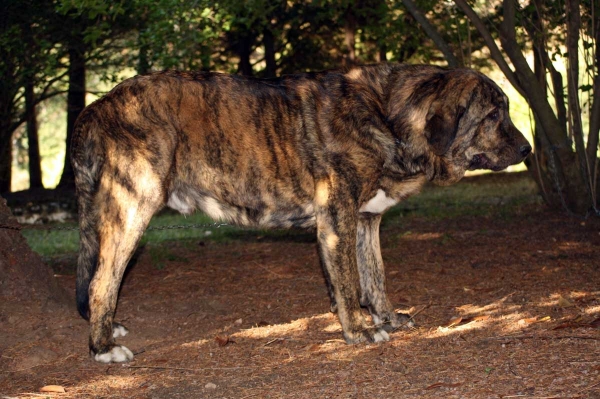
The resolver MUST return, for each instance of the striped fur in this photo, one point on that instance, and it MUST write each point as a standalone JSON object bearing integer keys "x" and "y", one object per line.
{"x": 308, "y": 150}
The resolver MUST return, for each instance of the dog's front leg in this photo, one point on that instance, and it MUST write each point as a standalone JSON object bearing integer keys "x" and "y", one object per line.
{"x": 372, "y": 275}
{"x": 336, "y": 217}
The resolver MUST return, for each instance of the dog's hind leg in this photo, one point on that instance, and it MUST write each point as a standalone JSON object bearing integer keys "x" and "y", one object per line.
{"x": 126, "y": 200}
{"x": 372, "y": 275}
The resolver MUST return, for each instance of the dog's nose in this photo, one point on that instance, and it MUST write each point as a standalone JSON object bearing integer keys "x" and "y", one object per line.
{"x": 525, "y": 150}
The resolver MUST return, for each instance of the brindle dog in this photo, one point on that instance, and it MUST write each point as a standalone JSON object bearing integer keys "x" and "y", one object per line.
{"x": 331, "y": 150}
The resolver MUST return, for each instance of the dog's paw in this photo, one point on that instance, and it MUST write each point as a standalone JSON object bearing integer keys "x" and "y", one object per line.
{"x": 371, "y": 334}
{"x": 117, "y": 354}
{"x": 119, "y": 330}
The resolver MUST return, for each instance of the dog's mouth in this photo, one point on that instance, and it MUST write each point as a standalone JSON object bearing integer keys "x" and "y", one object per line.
{"x": 481, "y": 161}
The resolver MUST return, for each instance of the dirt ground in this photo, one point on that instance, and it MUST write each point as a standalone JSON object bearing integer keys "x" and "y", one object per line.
{"x": 506, "y": 307}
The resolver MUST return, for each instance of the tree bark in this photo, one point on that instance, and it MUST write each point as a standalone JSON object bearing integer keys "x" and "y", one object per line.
{"x": 5, "y": 161}
{"x": 244, "y": 50}
{"x": 592, "y": 144}
{"x": 573, "y": 27}
{"x": 75, "y": 102}
{"x": 568, "y": 179}
{"x": 33, "y": 150}
{"x": 432, "y": 33}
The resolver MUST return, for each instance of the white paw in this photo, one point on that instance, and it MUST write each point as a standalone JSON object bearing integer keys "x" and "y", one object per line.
{"x": 381, "y": 336}
{"x": 117, "y": 354}
{"x": 119, "y": 330}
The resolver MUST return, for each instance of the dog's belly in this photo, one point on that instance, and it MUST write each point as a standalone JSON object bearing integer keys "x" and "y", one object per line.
{"x": 265, "y": 212}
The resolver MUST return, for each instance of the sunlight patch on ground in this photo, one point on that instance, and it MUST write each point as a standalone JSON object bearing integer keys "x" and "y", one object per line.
{"x": 194, "y": 344}
{"x": 273, "y": 331}
{"x": 333, "y": 327}
{"x": 569, "y": 245}
{"x": 106, "y": 384}
{"x": 584, "y": 294}
{"x": 592, "y": 310}
{"x": 443, "y": 331}
{"x": 473, "y": 310}
{"x": 421, "y": 237}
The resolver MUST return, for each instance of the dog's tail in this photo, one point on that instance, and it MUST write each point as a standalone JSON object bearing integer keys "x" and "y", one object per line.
{"x": 87, "y": 157}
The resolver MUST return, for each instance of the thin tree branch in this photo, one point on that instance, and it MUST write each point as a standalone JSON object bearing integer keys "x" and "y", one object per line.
{"x": 573, "y": 26}
{"x": 534, "y": 92}
{"x": 432, "y": 33}
{"x": 592, "y": 144}
{"x": 489, "y": 41}
{"x": 536, "y": 33}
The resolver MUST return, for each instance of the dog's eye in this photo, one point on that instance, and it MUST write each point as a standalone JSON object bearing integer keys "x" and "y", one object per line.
{"x": 494, "y": 115}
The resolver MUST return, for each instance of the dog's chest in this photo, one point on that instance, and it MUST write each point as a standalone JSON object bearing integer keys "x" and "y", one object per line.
{"x": 379, "y": 203}
{"x": 391, "y": 193}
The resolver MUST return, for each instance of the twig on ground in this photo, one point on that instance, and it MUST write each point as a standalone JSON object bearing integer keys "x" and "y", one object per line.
{"x": 413, "y": 316}
{"x": 185, "y": 368}
{"x": 274, "y": 340}
{"x": 509, "y": 337}
{"x": 590, "y": 387}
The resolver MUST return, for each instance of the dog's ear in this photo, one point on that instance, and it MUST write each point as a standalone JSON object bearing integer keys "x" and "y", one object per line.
{"x": 442, "y": 126}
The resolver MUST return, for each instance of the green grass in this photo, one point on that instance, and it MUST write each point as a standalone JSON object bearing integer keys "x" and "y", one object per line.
{"x": 489, "y": 196}
{"x": 501, "y": 195}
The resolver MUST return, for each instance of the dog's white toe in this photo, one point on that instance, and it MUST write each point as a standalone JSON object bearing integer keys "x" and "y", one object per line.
{"x": 118, "y": 354}
{"x": 119, "y": 330}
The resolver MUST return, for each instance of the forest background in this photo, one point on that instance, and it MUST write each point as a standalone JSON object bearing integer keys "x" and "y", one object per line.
{"x": 58, "y": 56}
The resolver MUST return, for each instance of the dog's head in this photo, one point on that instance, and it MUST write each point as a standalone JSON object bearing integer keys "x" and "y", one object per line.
{"x": 466, "y": 125}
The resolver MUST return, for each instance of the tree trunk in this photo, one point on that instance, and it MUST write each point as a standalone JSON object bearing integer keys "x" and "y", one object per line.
{"x": 269, "y": 43}
{"x": 75, "y": 102}
{"x": 592, "y": 144}
{"x": 569, "y": 184}
{"x": 143, "y": 62}
{"x": 5, "y": 161}
{"x": 382, "y": 54}
{"x": 244, "y": 50}
{"x": 33, "y": 150}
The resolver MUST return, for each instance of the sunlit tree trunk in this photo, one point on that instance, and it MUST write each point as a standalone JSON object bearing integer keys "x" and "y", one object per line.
{"x": 33, "y": 150}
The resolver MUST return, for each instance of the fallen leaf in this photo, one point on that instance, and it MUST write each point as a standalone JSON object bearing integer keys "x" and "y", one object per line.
{"x": 475, "y": 318}
{"x": 535, "y": 319}
{"x": 530, "y": 320}
{"x": 53, "y": 389}
{"x": 564, "y": 302}
{"x": 443, "y": 385}
{"x": 313, "y": 347}
{"x": 222, "y": 341}
{"x": 570, "y": 324}
{"x": 454, "y": 322}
